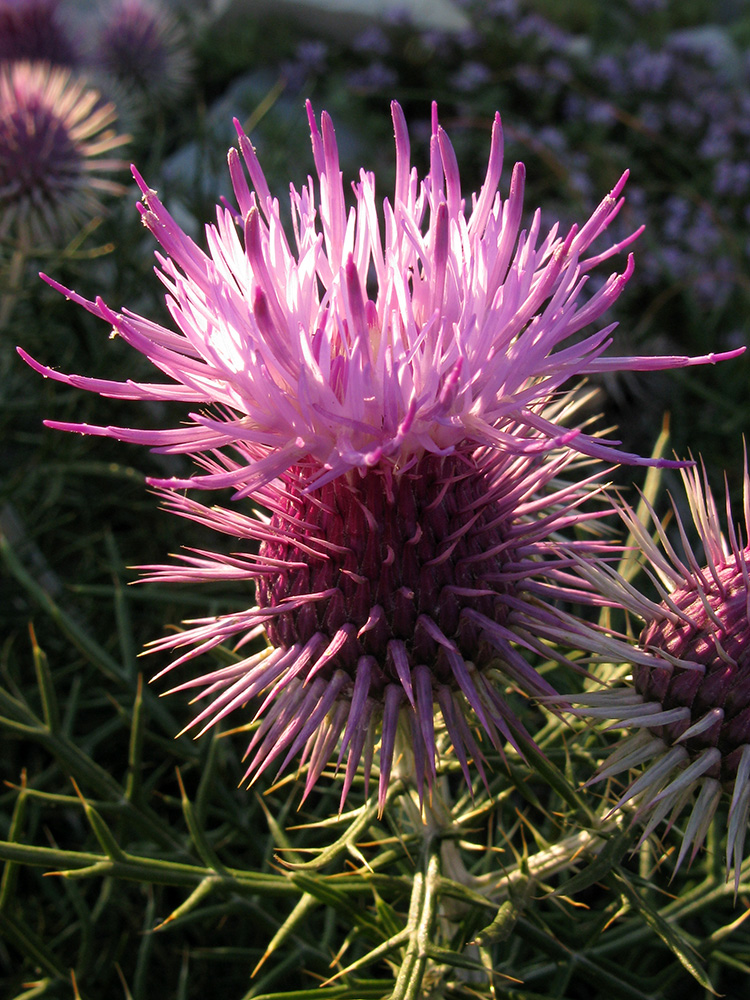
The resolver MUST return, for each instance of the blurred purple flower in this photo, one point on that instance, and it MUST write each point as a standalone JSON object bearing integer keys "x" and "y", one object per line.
{"x": 610, "y": 70}
{"x": 503, "y": 8}
{"x": 732, "y": 179}
{"x": 53, "y": 134}
{"x": 647, "y": 6}
{"x": 375, "y": 76}
{"x": 30, "y": 30}
{"x": 141, "y": 45}
{"x": 309, "y": 58}
{"x": 649, "y": 69}
{"x": 470, "y": 76}
{"x": 600, "y": 113}
{"x": 716, "y": 143}
{"x": 683, "y": 115}
{"x": 551, "y": 36}
{"x": 373, "y": 41}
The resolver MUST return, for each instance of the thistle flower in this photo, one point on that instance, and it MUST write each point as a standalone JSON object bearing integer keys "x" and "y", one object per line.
{"x": 142, "y": 46}
{"x": 390, "y": 392}
{"x": 688, "y": 708}
{"x": 30, "y": 30}
{"x": 53, "y": 132}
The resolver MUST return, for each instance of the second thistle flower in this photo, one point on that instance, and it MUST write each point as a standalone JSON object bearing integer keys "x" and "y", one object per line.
{"x": 687, "y": 712}
{"x": 389, "y": 389}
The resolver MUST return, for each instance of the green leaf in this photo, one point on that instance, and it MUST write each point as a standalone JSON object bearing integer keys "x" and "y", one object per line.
{"x": 135, "y": 747}
{"x": 615, "y": 847}
{"x": 668, "y": 932}
{"x": 15, "y": 931}
{"x": 50, "y": 707}
{"x": 102, "y": 832}
{"x": 507, "y": 916}
{"x": 371, "y": 989}
{"x": 303, "y": 907}
{"x": 201, "y": 892}
{"x": 205, "y": 850}
{"x": 10, "y": 869}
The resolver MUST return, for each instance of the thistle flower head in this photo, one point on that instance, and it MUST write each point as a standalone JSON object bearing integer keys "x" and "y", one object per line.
{"x": 31, "y": 30}
{"x": 389, "y": 388}
{"x": 141, "y": 45}
{"x": 690, "y": 700}
{"x": 53, "y": 134}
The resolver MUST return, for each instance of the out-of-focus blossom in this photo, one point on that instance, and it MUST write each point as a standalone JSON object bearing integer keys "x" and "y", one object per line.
{"x": 143, "y": 47}
{"x": 471, "y": 76}
{"x": 54, "y": 134}
{"x": 392, "y": 389}
{"x": 375, "y": 76}
{"x": 31, "y": 30}
{"x": 373, "y": 41}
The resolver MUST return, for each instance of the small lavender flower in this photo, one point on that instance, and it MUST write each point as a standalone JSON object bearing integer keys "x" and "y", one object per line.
{"x": 600, "y": 113}
{"x": 647, "y": 6}
{"x": 389, "y": 388}
{"x": 649, "y": 69}
{"x": 142, "y": 46}
{"x": 470, "y": 76}
{"x": 684, "y": 115}
{"x": 375, "y": 76}
{"x": 53, "y": 132}
{"x": 732, "y": 179}
{"x": 611, "y": 71}
{"x": 688, "y": 709}
{"x": 373, "y": 41}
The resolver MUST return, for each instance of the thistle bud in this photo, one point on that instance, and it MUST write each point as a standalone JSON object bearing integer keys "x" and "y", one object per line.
{"x": 690, "y": 700}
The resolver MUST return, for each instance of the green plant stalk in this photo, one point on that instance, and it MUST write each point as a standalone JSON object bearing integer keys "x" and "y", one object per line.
{"x": 421, "y": 922}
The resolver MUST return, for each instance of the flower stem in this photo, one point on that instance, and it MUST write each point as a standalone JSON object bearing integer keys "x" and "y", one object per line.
{"x": 421, "y": 921}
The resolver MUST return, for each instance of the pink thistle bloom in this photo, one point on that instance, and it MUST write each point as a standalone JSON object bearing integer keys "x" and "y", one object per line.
{"x": 689, "y": 703}
{"x": 389, "y": 388}
{"x": 53, "y": 134}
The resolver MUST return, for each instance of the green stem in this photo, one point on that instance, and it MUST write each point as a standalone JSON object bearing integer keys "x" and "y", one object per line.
{"x": 421, "y": 921}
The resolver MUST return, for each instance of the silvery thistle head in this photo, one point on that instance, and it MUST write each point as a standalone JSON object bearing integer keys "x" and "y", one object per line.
{"x": 688, "y": 708}
{"x": 54, "y": 133}
{"x": 142, "y": 46}
{"x": 388, "y": 388}
{"x": 31, "y": 30}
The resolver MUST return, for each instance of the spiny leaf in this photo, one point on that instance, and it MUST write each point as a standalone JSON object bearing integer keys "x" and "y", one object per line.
{"x": 370, "y": 989}
{"x": 667, "y": 931}
{"x": 305, "y": 904}
{"x": 50, "y": 707}
{"x": 23, "y": 938}
{"x": 10, "y": 869}
{"x": 201, "y": 892}
{"x": 393, "y": 943}
{"x": 614, "y": 849}
{"x": 102, "y": 832}
{"x": 205, "y": 850}
{"x": 135, "y": 747}
{"x": 507, "y": 916}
